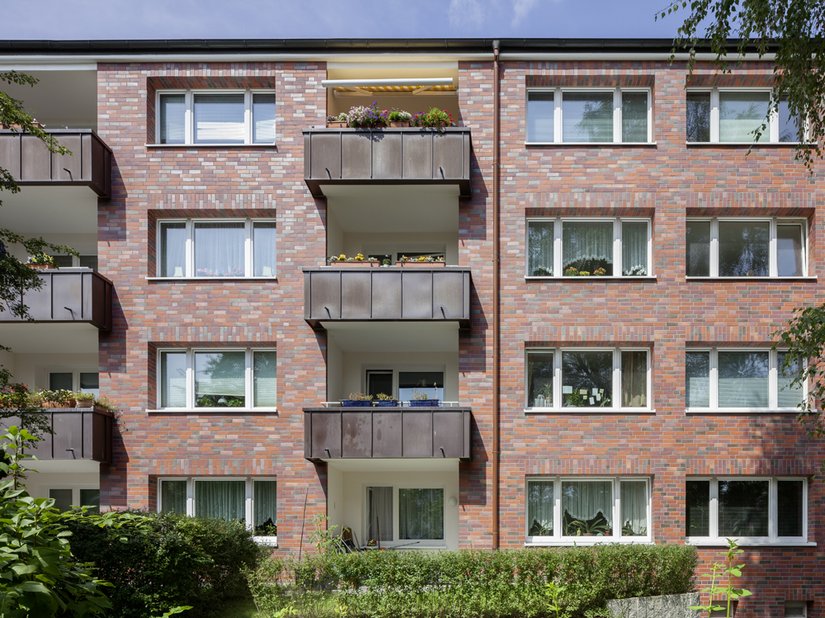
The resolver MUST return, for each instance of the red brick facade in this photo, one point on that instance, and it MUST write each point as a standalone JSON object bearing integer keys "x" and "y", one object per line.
{"x": 666, "y": 181}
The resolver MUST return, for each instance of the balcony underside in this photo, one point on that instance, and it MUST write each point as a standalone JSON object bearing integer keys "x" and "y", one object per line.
{"x": 409, "y": 156}
{"x": 386, "y": 433}
{"x": 77, "y": 434}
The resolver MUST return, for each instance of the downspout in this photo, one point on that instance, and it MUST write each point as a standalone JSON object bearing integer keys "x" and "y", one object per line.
{"x": 497, "y": 300}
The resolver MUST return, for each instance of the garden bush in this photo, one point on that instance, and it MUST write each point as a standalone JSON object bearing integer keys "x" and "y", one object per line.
{"x": 488, "y": 584}
{"x": 157, "y": 562}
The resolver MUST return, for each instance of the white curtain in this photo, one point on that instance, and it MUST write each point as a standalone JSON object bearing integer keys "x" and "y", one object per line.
{"x": 219, "y": 249}
{"x": 220, "y": 500}
{"x": 587, "y": 116}
{"x": 789, "y": 396}
{"x": 173, "y": 379}
{"x": 789, "y": 250}
{"x": 219, "y": 119}
{"x": 634, "y": 379}
{"x": 264, "y": 498}
{"x": 173, "y": 249}
{"x": 263, "y": 243}
{"x": 587, "y": 240}
{"x": 173, "y": 497}
{"x": 740, "y": 113}
{"x": 172, "y": 118}
{"x": 634, "y": 508}
{"x": 263, "y": 118}
{"x": 264, "y": 379}
{"x": 585, "y": 501}
{"x": 697, "y": 379}
{"x": 634, "y": 248}
{"x": 380, "y": 513}
{"x": 743, "y": 379}
{"x": 420, "y": 514}
{"x": 540, "y": 248}
{"x": 540, "y": 506}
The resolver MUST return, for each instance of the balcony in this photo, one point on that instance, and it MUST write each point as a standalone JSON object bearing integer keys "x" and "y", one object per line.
{"x": 386, "y": 433}
{"x": 78, "y": 433}
{"x": 387, "y": 294}
{"x": 31, "y": 163}
{"x": 387, "y": 156}
{"x": 69, "y": 295}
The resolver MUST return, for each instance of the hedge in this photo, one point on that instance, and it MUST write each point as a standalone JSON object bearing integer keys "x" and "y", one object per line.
{"x": 157, "y": 562}
{"x": 489, "y": 584}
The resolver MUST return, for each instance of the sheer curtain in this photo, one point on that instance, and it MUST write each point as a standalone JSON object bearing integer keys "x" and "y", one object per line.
{"x": 173, "y": 249}
{"x": 634, "y": 379}
{"x": 263, "y": 242}
{"x": 585, "y": 501}
{"x": 634, "y": 248}
{"x": 740, "y": 113}
{"x": 634, "y": 508}
{"x": 219, "y": 249}
{"x": 380, "y": 513}
{"x": 220, "y": 500}
{"x": 264, "y": 379}
{"x": 540, "y": 506}
{"x": 697, "y": 379}
{"x": 173, "y": 379}
{"x": 264, "y": 498}
{"x": 172, "y": 118}
{"x": 219, "y": 375}
{"x": 587, "y": 244}
{"x": 540, "y": 248}
{"x": 263, "y": 118}
{"x": 789, "y": 396}
{"x": 173, "y": 497}
{"x": 420, "y": 514}
{"x": 743, "y": 379}
{"x": 789, "y": 250}
{"x": 587, "y": 116}
{"x": 219, "y": 119}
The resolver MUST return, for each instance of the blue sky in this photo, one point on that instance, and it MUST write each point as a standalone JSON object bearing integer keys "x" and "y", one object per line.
{"x": 145, "y": 19}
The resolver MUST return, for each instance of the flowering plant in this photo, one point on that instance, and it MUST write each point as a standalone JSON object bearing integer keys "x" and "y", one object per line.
{"x": 429, "y": 259}
{"x": 343, "y": 257}
{"x": 398, "y": 115}
{"x": 434, "y": 118}
{"x": 41, "y": 259}
{"x": 360, "y": 117}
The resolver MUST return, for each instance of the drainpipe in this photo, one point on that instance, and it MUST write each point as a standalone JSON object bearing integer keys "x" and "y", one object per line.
{"x": 497, "y": 299}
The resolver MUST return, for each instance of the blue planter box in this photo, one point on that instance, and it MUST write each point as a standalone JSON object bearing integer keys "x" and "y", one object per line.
{"x": 355, "y": 403}
{"x": 386, "y": 403}
{"x": 425, "y": 403}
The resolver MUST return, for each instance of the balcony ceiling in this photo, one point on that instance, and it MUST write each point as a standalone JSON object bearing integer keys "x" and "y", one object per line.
{"x": 60, "y": 99}
{"x": 44, "y": 338}
{"x": 395, "y": 465}
{"x": 394, "y": 336}
{"x": 51, "y": 210}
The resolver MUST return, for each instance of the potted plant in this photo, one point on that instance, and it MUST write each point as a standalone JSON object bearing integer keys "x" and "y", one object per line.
{"x": 337, "y": 121}
{"x": 421, "y": 261}
{"x": 399, "y": 118}
{"x": 58, "y": 399}
{"x": 361, "y": 117}
{"x": 382, "y": 400}
{"x": 357, "y": 400}
{"x": 40, "y": 261}
{"x": 357, "y": 260}
{"x": 105, "y": 403}
{"x": 422, "y": 400}
{"x": 434, "y": 118}
{"x": 84, "y": 400}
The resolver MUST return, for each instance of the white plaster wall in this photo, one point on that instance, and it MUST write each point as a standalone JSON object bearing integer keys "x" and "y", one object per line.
{"x": 38, "y": 484}
{"x": 354, "y": 365}
{"x": 335, "y": 370}
{"x": 85, "y": 244}
{"x": 347, "y": 502}
{"x": 34, "y": 369}
{"x": 446, "y": 243}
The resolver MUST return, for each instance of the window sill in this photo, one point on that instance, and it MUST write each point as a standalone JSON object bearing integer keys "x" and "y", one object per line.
{"x": 190, "y": 279}
{"x": 760, "y": 279}
{"x": 744, "y": 144}
{"x": 266, "y": 541}
{"x": 588, "y": 411}
{"x": 591, "y": 144}
{"x": 578, "y": 541}
{"x": 230, "y": 411}
{"x": 750, "y": 543}
{"x": 207, "y": 146}
{"x": 651, "y": 278}
{"x": 755, "y": 411}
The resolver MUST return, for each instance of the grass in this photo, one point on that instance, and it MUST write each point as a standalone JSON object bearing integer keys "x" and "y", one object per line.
{"x": 243, "y": 608}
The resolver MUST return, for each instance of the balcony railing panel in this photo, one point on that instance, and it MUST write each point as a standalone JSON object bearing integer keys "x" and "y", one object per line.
{"x": 30, "y": 162}
{"x": 68, "y": 295}
{"x": 387, "y": 156}
{"x": 386, "y": 433}
{"x": 392, "y": 293}
{"x": 77, "y": 433}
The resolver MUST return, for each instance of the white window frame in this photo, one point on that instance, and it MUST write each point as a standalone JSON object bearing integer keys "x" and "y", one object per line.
{"x": 616, "y": 383}
{"x": 249, "y": 384}
{"x": 397, "y": 541}
{"x": 773, "y": 382}
{"x": 189, "y": 115}
{"x": 75, "y": 259}
{"x": 189, "y": 248}
{"x": 558, "y": 123}
{"x": 249, "y": 498}
{"x": 771, "y": 130}
{"x": 559, "y": 539}
{"x": 773, "y": 261}
{"x": 773, "y": 518}
{"x": 558, "y": 246}
{"x": 396, "y": 370}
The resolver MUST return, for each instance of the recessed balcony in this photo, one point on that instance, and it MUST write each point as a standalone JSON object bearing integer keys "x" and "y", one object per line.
{"x": 77, "y": 434}
{"x": 31, "y": 163}
{"x": 387, "y": 156}
{"x": 386, "y": 433}
{"x": 68, "y": 295}
{"x": 440, "y": 294}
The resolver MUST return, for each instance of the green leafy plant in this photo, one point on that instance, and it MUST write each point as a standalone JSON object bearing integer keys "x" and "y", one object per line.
{"x": 555, "y": 593}
{"x": 398, "y": 115}
{"x": 359, "y": 397}
{"x": 434, "y": 118}
{"x": 40, "y": 258}
{"x": 729, "y": 570}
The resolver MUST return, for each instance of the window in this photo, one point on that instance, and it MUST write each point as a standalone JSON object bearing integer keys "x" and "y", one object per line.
{"x": 588, "y": 116}
{"x": 217, "y": 379}
{"x": 66, "y": 498}
{"x": 583, "y": 379}
{"x": 581, "y": 510}
{"x": 768, "y": 247}
{"x": 418, "y": 518}
{"x": 78, "y": 381}
{"x": 216, "y": 117}
{"x": 732, "y": 116}
{"x": 742, "y": 380}
{"x": 76, "y": 261}
{"x": 411, "y": 384}
{"x": 588, "y": 248}
{"x": 796, "y": 609}
{"x": 760, "y": 510}
{"x": 251, "y": 501}
{"x": 208, "y": 248}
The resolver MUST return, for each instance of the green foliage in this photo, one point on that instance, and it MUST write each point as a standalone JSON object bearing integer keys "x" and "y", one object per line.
{"x": 159, "y": 562}
{"x": 804, "y": 338}
{"x": 725, "y": 591}
{"x": 560, "y": 582}
{"x": 792, "y": 30}
{"x": 38, "y": 574}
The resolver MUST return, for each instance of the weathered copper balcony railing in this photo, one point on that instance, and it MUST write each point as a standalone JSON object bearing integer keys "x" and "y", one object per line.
{"x": 386, "y": 433}
{"x": 387, "y": 294}
{"x": 68, "y": 295}
{"x": 77, "y": 433}
{"x": 387, "y": 156}
{"x": 31, "y": 163}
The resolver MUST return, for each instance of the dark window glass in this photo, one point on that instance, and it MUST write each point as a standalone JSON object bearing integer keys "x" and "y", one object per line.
{"x": 743, "y": 508}
{"x": 697, "y": 515}
{"x": 697, "y": 248}
{"x": 698, "y": 117}
{"x": 789, "y": 507}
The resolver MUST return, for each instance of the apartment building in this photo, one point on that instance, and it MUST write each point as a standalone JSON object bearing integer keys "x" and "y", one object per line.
{"x": 583, "y": 354}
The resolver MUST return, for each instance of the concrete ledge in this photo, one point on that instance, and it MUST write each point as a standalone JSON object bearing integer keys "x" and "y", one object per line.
{"x": 668, "y": 606}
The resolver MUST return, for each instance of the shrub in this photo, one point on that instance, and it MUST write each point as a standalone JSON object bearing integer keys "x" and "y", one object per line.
{"x": 471, "y": 583}
{"x": 371, "y": 117}
{"x": 157, "y": 562}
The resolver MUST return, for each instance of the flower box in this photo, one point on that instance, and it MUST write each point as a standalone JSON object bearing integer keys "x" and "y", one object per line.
{"x": 364, "y": 264}
{"x": 356, "y": 403}
{"x": 425, "y": 403}
{"x": 336, "y": 124}
{"x": 386, "y": 403}
{"x": 414, "y": 264}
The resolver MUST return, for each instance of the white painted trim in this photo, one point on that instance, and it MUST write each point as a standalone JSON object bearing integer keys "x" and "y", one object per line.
{"x": 388, "y": 81}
